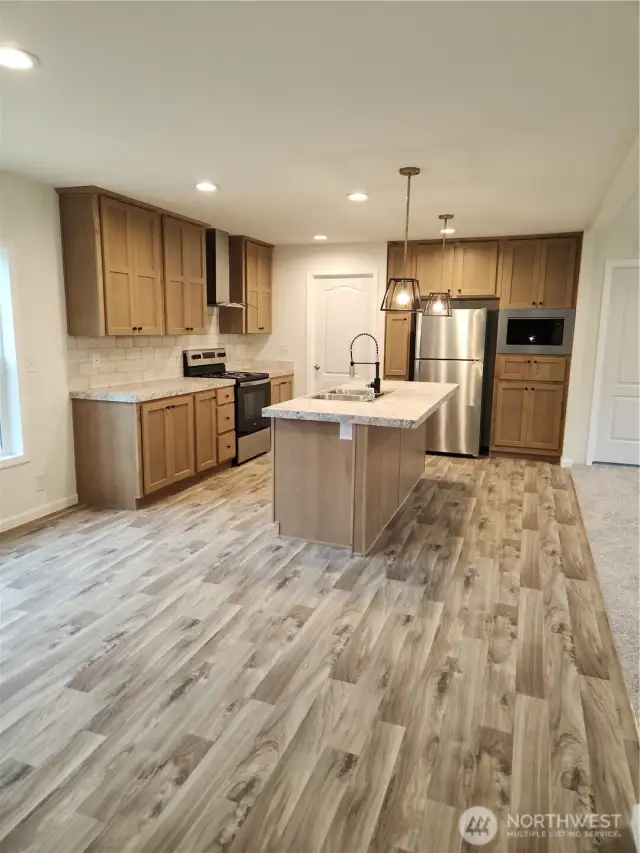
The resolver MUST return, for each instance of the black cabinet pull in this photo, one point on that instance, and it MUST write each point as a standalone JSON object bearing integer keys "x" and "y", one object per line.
{"x": 533, "y": 303}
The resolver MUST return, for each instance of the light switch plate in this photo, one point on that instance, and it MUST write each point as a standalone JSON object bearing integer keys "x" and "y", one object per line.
{"x": 346, "y": 431}
{"x": 95, "y": 359}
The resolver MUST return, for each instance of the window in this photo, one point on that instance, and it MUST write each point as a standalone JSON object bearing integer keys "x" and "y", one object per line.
{"x": 10, "y": 422}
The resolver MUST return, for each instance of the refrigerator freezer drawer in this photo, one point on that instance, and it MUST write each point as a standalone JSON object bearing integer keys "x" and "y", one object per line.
{"x": 454, "y": 428}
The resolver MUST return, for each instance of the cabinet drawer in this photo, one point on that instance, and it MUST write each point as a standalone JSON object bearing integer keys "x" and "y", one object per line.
{"x": 225, "y": 395}
{"x": 547, "y": 368}
{"x": 226, "y": 447}
{"x": 226, "y": 418}
{"x": 536, "y": 368}
{"x": 512, "y": 367}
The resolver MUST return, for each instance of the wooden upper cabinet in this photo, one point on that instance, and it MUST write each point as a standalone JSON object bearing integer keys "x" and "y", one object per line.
{"x": 475, "y": 266}
{"x": 117, "y": 253}
{"x": 119, "y": 274}
{"x": 147, "y": 295}
{"x": 557, "y": 272}
{"x": 396, "y": 345}
{"x": 434, "y": 273}
{"x": 184, "y": 276}
{"x": 520, "y": 273}
{"x": 250, "y": 272}
{"x": 538, "y": 273}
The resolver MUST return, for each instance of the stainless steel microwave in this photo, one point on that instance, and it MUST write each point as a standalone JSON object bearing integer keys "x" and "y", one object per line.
{"x": 538, "y": 331}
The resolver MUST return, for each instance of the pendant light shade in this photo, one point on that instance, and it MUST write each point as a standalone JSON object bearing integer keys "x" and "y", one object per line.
{"x": 438, "y": 302}
{"x": 403, "y": 292}
{"x": 438, "y": 305}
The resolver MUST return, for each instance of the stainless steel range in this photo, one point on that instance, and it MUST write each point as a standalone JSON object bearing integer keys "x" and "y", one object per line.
{"x": 253, "y": 431}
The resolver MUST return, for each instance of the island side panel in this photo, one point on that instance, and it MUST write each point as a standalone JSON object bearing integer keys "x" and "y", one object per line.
{"x": 107, "y": 453}
{"x": 389, "y": 463}
{"x": 313, "y": 481}
{"x": 412, "y": 459}
{"x": 377, "y": 479}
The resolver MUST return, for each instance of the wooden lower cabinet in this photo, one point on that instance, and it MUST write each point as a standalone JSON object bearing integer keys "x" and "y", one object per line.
{"x": 206, "y": 430}
{"x": 126, "y": 451}
{"x": 528, "y": 417}
{"x": 544, "y": 425}
{"x": 510, "y": 415}
{"x": 167, "y": 442}
{"x": 281, "y": 389}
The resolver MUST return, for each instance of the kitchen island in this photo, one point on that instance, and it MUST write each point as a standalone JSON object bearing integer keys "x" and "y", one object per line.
{"x": 343, "y": 468}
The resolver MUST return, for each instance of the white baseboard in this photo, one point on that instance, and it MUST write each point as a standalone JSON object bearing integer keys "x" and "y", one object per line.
{"x": 566, "y": 463}
{"x": 38, "y": 512}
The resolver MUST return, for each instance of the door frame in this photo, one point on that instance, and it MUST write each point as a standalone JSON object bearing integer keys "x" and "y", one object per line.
{"x": 373, "y": 275}
{"x": 596, "y": 397}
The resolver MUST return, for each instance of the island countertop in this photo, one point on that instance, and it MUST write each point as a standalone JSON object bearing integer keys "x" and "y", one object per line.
{"x": 404, "y": 404}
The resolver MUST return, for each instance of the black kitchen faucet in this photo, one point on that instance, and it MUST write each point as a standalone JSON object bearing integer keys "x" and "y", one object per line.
{"x": 376, "y": 382}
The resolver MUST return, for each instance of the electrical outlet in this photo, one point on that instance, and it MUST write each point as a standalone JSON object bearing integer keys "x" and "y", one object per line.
{"x": 284, "y": 350}
{"x": 31, "y": 366}
{"x": 95, "y": 359}
{"x": 40, "y": 483}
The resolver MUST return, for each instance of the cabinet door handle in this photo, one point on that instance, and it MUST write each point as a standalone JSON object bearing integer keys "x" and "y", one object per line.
{"x": 261, "y": 328}
{"x": 528, "y": 361}
{"x": 534, "y": 303}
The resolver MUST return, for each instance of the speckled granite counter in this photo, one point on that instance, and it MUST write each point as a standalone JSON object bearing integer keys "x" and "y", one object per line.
{"x": 142, "y": 392}
{"x": 404, "y": 404}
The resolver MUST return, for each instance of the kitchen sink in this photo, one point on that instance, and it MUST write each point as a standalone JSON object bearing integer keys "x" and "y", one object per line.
{"x": 355, "y": 395}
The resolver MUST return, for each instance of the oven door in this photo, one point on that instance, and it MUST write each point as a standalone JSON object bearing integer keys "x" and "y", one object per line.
{"x": 251, "y": 399}
{"x": 536, "y": 331}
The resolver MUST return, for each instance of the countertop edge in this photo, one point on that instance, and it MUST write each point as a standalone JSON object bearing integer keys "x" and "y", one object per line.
{"x": 276, "y": 413}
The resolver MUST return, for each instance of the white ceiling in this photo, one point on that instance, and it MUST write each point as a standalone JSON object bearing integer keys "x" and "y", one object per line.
{"x": 518, "y": 113}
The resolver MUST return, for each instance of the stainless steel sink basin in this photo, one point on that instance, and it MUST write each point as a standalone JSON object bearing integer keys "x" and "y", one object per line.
{"x": 355, "y": 395}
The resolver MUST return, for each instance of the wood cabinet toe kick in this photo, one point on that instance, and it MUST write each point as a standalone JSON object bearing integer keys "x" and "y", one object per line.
{"x": 127, "y": 451}
{"x": 342, "y": 492}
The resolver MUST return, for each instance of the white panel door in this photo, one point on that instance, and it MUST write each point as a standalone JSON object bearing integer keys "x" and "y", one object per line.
{"x": 618, "y": 415}
{"x": 340, "y": 307}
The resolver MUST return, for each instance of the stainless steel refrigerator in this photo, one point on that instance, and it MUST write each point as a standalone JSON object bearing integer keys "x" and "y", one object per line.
{"x": 452, "y": 349}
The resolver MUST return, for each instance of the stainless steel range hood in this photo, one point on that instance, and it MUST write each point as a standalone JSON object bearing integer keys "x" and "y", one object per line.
{"x": 217, "y": 246}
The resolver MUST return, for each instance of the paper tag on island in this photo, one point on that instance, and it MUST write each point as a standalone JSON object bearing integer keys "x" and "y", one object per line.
{"x": 346, "y": 431}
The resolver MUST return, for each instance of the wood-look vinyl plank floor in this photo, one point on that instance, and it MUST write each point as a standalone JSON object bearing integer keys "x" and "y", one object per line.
{"x": 183, "y": 680}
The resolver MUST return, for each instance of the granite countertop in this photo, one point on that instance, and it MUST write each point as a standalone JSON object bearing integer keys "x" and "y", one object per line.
{"x": 142, "y": 392}
{"x": 405, "y": 405}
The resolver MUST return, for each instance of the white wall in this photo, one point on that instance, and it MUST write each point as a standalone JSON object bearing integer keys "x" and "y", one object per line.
{"x": 291, "y": 266}
{"x": 29, "y": 227}
{"x": 614, "y": 235}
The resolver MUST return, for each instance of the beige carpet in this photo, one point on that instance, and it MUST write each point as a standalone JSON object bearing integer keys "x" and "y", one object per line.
{"x": 609, "y": 497}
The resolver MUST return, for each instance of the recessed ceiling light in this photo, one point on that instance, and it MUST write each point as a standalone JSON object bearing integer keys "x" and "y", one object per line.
{"x": 447, "y": 230}
{"x": 320, "y": 237}
{"x": 358, "y": 196}
{"x": 16, "y": 59}
{"x": 206, "y": 187}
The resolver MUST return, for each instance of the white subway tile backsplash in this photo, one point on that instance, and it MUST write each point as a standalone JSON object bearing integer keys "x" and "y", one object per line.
{"x": 146, "y": 357}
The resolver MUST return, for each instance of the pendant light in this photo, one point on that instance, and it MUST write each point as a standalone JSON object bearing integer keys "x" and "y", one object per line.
{"x": 439, "y": 301}
{"x": 403, "y": 293}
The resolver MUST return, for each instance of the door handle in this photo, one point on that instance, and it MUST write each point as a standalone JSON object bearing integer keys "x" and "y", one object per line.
{"x": 316, "y": 367}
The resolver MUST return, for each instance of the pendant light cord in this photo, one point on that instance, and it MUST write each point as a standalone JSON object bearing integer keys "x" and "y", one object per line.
{"x": 406, "y": 225}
